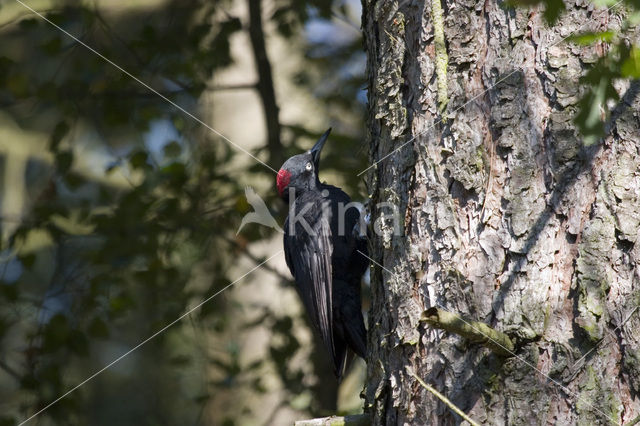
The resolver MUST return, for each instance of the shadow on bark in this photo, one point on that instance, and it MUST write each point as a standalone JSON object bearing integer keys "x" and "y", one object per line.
{"x": 586, "y": 156}
{"x": 466, "y": 393}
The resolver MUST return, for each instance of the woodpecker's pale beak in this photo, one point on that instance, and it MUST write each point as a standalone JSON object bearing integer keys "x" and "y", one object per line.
{"x": 317, "y": 148}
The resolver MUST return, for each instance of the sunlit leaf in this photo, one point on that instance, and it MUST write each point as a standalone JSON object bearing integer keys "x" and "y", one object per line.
{"x": 71, "y": 224}
{"x": 605, "y": 3}
{"x": 586, "y": 39}
{"x": 631, "y": 66}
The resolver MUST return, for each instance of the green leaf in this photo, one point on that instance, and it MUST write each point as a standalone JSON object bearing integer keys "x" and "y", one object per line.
{"x": 179, "y": 123}
{"x": 27, "y": 259}
{"x": 74, "y": 181}
{"x": 149, "y": 34}
{"x": 9, "y": 292}
{"x": 57, "y": 332}
{"x": 98, "y": 328}
{"x": 78, "y": 343}
{"x": 605, "y": 3}
{"x": 631, "y": 66}
{"x": 28, "y": 23}
{"x": 4, "y": 326}
{"x": 64, "y": 160}
{"x": 28, "y": 381}
{"x": 5, "y": 66}
{"x": 172, "y": 149}
{"x": 18, "y": 84}
{"x": 553, "y": 10}
{"x": 52, "y": 47}
{"x": 589, "y": 38}
{"x": 198, "y": 33}
{"x": 121, "y": 303}
{"x": 201, "y": 399}
{"x": 180, "y": 360}
{"x": 138, "y": 160}
{"x": 207, "y": 309}
{"x": 176, "y": 172}
{"x": 593, "y": 107}
{"x": 7, "y": 421}
{"x": 56, "y": 17}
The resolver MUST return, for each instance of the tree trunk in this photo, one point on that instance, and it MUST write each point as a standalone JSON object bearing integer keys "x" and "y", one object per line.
{"x": 506, "y": 217}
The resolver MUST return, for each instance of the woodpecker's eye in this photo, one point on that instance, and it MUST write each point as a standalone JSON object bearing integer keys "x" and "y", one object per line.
{"x": 309, "y": 166}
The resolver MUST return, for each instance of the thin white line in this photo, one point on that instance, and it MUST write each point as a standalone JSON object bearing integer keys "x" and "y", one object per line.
{"x": 473, "y": 98}
{"x": 147, "y": 86}
{"x": 145, "y": 341}
{"x": 564, "y": 388}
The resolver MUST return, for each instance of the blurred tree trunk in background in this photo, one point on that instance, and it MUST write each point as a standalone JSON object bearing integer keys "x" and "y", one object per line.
{"x": 265, "y": 82}
{"x": 119, "y": 210}
{"x": 507, "y": 217}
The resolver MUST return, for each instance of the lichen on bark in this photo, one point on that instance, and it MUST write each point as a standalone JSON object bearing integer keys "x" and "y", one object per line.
{"x": 508, "y": 219}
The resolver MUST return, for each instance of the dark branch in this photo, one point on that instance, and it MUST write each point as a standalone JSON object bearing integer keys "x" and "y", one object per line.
{"x": 265, "y": 81}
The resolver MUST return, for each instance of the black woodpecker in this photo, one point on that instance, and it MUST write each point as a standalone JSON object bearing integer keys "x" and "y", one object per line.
{"x": 322, "y": 245}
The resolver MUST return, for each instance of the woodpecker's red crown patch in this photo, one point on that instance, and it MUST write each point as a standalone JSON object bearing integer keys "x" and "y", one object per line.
{"x": 283, "y": 179}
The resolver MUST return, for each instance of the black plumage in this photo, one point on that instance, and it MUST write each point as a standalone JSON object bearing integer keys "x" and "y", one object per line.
{"x": 322, "y": 253}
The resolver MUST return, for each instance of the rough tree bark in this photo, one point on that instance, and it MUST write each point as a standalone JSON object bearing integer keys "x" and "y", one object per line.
{"x": 506, "y": 218}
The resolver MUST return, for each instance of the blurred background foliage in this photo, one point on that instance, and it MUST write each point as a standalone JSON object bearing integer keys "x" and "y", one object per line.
{"x": 120, "y": 210}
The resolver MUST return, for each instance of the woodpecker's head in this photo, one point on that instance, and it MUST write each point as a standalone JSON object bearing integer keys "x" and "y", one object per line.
{"x": 301, "y": 171}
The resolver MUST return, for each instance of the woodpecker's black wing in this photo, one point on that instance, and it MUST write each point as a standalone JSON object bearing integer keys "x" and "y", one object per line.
{"x": 309, "y": 260}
